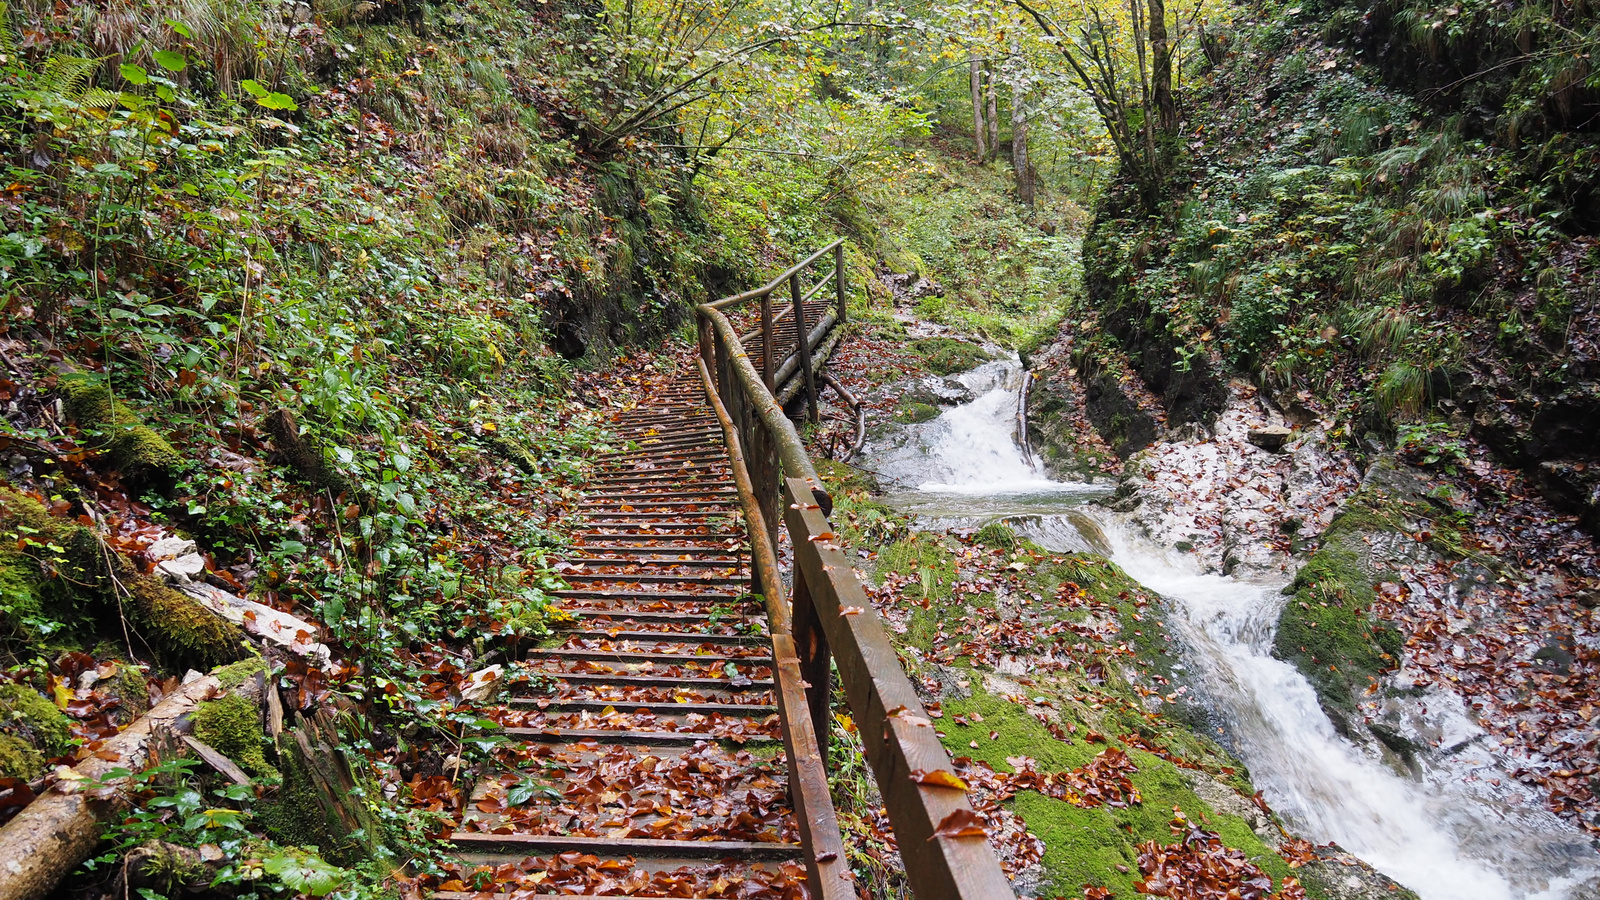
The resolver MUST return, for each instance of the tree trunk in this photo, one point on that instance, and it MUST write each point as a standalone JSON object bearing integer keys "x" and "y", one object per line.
{"x": 1019, "y": 133}
{"x": 994, "y": 114}
{"x": 1161, "y": 70}
{"x": 166, "y": 869}
{"x": 978, "y": 125}
{"x": 62, "y": 827}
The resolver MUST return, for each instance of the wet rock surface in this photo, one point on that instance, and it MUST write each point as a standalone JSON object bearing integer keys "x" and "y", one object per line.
{"x": 1241, "y": 509}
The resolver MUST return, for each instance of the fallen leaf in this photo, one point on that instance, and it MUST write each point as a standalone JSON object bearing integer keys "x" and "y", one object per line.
{"x": 961, "y": 823}
{"x": 938, "y": 778}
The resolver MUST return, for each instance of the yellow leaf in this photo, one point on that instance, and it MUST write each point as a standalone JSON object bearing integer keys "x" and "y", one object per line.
{"x": 62, "y": 690}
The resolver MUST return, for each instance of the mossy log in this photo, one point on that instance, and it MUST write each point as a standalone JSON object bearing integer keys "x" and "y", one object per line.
{"x": 166, "y": 869}
{"x": 62, "y": 827}
{"x": 177, "y": 627}
{"x": 303, "y": 453}
{"x": 139, "y": 453}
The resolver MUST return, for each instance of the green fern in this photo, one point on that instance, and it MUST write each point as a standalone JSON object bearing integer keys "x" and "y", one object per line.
{"x": 8, "y": 41}
{"x": 66, "y": 76}
{"x": 66, "y": 83}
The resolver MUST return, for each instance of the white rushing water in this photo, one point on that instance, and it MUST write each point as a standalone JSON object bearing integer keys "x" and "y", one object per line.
{"x": 1441, "y": 841}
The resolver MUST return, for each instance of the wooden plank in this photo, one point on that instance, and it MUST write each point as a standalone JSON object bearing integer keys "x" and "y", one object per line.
{"x": 684, "y": 491}
{"x": 648, "y": 655}
{"x": 641, "y": 615}
{"x": 727, "y": 562}
{"x": 559, "y": 735}
{"x": 754, "y": 710}
{"x": 811, "y": 649}
{"x": 803, "y": 347}
{"x": 523, "y": 843}
{"x": 715, "y": 684}
{"x": 650, "y": 577}
{"x": 666, "y": 596}
{"x": 687, "y": 637}
{"x": 938, "y": 868}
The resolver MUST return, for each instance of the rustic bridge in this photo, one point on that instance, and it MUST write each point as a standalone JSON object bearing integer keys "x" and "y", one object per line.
{"x": 690, "y": 655}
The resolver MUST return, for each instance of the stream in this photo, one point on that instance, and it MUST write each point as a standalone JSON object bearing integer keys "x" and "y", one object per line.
{"x": 1433, "y": 835}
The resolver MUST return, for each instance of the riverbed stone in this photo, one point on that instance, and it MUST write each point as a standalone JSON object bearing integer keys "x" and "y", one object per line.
{"x": 1270, "y": 438}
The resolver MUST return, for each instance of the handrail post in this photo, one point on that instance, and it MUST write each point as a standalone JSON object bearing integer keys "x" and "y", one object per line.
{"x": 767, "y": 348}
{"x": 803, "y": 341}
{"x": 707, "y": 351}
{"x": 811, "y": 647}
{"x": 838, "y": 274}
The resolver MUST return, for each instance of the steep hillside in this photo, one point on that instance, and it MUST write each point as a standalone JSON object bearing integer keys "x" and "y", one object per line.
{"x": 1408, "y": 244}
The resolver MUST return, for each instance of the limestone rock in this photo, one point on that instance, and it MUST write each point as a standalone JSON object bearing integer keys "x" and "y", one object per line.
{"x": 1270, "y": 438}
{"x": 182, "y": 570}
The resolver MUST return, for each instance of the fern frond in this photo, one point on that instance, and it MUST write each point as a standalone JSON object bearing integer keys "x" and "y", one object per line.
{"x": 98, "y": 98}
{"x": 8, "y": 41}
{"x": 67, "y": 76}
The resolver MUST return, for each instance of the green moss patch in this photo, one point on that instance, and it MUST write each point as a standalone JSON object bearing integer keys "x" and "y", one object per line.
{"x": 34, "y": 720}
{"x": 181, "y": 629}
{"x": 911, "y": 412}
{"x": 134, "y": 447}
{"x": 90, "y": 584}
{"x": 19, "y": 759}
{"x": 232, "y": 725}
{"x": 997, "y": 534}
{"x": 1327, "y": 629}
{"x": 946, "y": 356}
{"x": 1085, "y": 846}
{"x": 234, "y": 674}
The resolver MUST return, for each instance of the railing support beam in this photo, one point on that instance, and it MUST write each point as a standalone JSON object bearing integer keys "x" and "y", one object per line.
{"x": 839, "y": 282}
{"x": 803, "y": 339}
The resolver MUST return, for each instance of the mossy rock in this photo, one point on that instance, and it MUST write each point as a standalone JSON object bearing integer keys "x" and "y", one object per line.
{"x": 913, "y": 412}
{"x": 232, "y": 725}
{"x": 28, "y": 716}
{"x": 1327, "y": 629}
{"x": 946, "y": 356}
{"x": 142, "y": 455}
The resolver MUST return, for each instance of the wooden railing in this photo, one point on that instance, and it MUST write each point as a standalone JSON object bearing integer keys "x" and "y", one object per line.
{"x": 825, "y": 620}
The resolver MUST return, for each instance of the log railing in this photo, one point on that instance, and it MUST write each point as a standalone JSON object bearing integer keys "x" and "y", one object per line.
{"x": 828, "y": 620}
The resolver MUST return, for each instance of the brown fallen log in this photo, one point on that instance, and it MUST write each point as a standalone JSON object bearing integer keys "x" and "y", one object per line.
{"x": 62, "y": 827}
{"x": 304, "y": 455}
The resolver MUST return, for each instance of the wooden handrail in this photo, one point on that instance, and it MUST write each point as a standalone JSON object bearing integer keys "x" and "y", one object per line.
{"x": 830, "y": 619}
{"x": 791, "y": 451}
{"x": 774, "y": 284}
{"x": 827, "y": 868}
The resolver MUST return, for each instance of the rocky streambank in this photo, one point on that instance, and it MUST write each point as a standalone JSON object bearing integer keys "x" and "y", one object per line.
{"x": 1441, "y": 607}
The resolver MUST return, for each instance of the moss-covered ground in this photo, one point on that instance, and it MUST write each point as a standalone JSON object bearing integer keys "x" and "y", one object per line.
{"x": 32, "y": 731}
{"x": 946, "y": 355}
